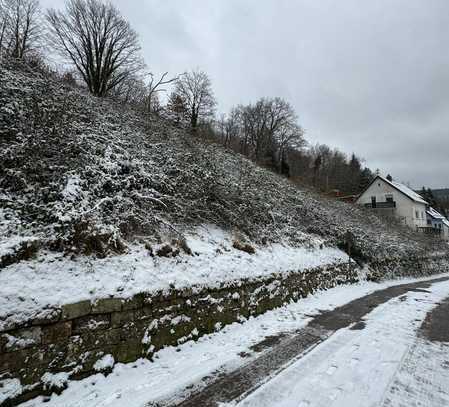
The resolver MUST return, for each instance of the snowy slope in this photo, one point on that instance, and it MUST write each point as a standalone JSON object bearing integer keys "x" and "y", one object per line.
{"x": 86, "y": 176}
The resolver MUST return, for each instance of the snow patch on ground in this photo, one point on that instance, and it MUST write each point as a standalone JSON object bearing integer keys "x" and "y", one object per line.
{"x": 105, "y": 363}
{"x": 54, "y": 280}
{"x": 9, "y": 245}
{"x": 55, "y": 380}
{"x": 9, "y": 388}
{"x": 73, "y": 189}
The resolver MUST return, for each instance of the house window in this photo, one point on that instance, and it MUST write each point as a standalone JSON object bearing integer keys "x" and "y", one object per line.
{"x": 417, "y": 214}
{"x": 429, "y": 222}
{"x": 389, "y": 197}
{"x": 373, "y": 202}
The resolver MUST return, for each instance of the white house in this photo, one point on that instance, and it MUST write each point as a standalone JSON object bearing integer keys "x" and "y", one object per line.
{"x": 438, "y": 223}
{"x": 395, "y": 199}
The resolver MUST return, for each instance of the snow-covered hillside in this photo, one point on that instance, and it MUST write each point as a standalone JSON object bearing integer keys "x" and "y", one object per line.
{"x": 81, "y": 175}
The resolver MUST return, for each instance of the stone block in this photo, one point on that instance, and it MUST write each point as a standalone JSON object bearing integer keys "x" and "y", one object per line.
{"x": 76, "y": 310}
{"x": 133, "y": 331}
{"x": 56, "y": 333}
{"x": 144, "y": 313}
{"x": 91, "y": 323}
{"x": 134, "y": 302}
{"x": 13, "y": 362}
{"x": 122, "y": 318}
{"x": 107, "y": 305}
{"x": 99, "y": 339}
{"x": 129, "y": 351}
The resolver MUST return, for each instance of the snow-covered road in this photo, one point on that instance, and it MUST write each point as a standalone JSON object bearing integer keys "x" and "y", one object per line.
{"x": 384, "y": 363}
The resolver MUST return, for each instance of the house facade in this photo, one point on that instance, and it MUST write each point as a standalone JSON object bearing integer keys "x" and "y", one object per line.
{"x": 438, "y": 223}
{"x": 395, "y": 199}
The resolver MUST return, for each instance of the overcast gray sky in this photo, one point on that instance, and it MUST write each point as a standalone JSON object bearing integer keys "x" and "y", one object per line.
{"x": 370, "y": 77}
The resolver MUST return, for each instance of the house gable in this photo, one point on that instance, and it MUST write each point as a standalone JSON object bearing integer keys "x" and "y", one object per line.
{"x": 405, "y": 191}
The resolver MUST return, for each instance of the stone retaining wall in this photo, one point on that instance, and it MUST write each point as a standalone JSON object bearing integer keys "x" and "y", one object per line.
{"x": 408, "y": 267}
{"x": 38, "y": 357}
{"x": 77, "y": 340}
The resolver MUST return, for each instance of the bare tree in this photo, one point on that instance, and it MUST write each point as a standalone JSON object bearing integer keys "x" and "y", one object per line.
{"x": 154, "y": 87}
{"x": 98, "y": 41}
{"x": 268, "y": 129}
{"x": 176, "y": 106}
{"x": 132, "y": 90}
{"x": 20, "y": 27}
{"x": 195, "y": 90}
{"x": 289, "y": 137}
{"x": 3, "y": 22}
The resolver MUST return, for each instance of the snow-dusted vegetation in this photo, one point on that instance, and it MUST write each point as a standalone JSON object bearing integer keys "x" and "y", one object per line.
{"x": 85, "y": 176}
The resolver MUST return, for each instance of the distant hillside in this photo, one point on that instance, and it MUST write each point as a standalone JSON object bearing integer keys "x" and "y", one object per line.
{"x": 85, "y": 175}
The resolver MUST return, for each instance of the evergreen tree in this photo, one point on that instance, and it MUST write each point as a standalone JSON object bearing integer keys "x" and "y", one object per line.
{"x": 366, "y": 177}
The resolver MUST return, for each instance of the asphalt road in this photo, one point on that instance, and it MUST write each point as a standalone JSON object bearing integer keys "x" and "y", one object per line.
{"x": 279, "y": 352}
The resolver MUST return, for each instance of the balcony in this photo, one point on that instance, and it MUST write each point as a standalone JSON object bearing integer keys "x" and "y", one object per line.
{"x": 381, "y": 205}
{"x": 430, "y": 230}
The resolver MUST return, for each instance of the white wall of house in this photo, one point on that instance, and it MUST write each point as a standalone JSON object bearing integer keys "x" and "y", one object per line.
{"x": 439, "y": 225}
{"x": 410, "y": 212}
{"x": 445, "y": 232}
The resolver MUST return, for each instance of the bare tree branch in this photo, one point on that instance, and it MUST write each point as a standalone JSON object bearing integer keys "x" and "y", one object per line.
{"x": 156, "y": 86}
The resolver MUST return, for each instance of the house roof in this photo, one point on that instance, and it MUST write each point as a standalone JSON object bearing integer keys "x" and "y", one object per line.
{"x": 434, "y": 214}
{"x": 437, "y": 215}
{"x": 401, "y": 188}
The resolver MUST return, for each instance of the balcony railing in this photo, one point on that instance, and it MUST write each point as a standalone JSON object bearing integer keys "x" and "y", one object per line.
{"x": 430, "y": 230}
{"x": 381, "y": 205}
